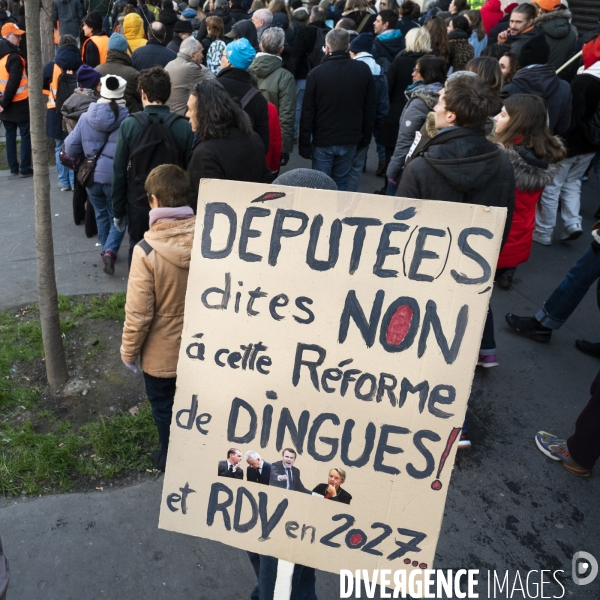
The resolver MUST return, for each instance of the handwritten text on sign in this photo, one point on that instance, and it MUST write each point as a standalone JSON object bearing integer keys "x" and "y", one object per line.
{"x": 327, "y": 356}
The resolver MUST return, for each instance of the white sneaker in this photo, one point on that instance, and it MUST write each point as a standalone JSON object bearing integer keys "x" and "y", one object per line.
{"x": 571, "y": 233}
{"x": 540, "y": 238}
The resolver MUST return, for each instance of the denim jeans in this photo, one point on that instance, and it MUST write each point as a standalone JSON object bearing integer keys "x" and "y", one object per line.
{"x": 567, "y": 296}
{"x": 358, "y": 163}
{"x": 11, "y": 147}
{"x": 161, "y": 393}
{"x": 381, "y": 152}
{"x": 265, "y": 567}
{"x": 335, "y": 161}
{"x": 300, "y": 87}
{"x": 100, "y": 195}
{"x": 66, "y": 177}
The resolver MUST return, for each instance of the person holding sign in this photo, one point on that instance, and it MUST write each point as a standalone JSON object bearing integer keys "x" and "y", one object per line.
{"x": 285, "y": 475}
{"x": 332, "y": 490}
{"x": 230, "y": 467}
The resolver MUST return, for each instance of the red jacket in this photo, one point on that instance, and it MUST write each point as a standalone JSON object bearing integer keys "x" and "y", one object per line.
{"x": 491, "y": 13}
{"x": 531, "y": 176}
{"x": 273, "y": 156}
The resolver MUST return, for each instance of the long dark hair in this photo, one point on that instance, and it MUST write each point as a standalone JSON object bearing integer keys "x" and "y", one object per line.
{"x": 528, "y": 124}
{"x": 216, "y": 112}
{"x": 489, "y": 70}
{"x": 439, "y": 38}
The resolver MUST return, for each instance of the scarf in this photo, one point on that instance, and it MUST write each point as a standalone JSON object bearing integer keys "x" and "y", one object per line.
{"x": 179, "y": 213}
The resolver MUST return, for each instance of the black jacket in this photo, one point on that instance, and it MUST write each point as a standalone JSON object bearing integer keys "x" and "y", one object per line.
{"x": 517, "y": 42}
{"x": 236, "y": 157}
{"x": 168, "y": 18}
{"x": 119, "y": 63}
{"x": 14, "y": 111}
{"x": 584, "y": 134}
{"x": 541, "y": 80}
{"x": 223, "y": 471}
{"x": 237, "y": 82}
{"x": 238, "y": 14}
{"x": 339, "y": 104}
{"x": 399, "y": 78}
{"x": 303, "y": 46}
{"x": 227, "y": 22}
{"x": 174, "y": 43}
{"x": 153, "y": 54}
{"x": 461, "y": 165}
{"x": 342, "y": 495}
{"x": 263, "y": 477}
{"x": 68, "y": 59}
{"x": 501, "y": 26}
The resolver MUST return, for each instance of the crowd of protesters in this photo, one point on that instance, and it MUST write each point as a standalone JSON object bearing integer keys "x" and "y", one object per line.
{"x": 461, "y": 105}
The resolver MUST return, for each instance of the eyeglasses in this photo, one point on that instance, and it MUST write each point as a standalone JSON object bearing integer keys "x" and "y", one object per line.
{"x": 415, "y": 70}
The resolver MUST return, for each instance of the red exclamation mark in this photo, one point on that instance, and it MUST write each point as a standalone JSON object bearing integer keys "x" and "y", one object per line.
{"x": 437, "y": 484}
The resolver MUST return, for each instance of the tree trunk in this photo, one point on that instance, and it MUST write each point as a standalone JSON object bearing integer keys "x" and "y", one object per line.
{"x": 56, "y": 364}
{"x": 46, "y": 29}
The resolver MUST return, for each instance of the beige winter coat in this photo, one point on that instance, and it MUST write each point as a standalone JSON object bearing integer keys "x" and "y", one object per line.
{"x": 156, "y": 297}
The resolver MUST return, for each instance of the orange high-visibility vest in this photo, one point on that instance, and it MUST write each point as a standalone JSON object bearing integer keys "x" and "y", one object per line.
{"x": 53, "y": 91}
{"x": 101, "y": 42}
{"x": 56, "y": 36}
{"x": 23, "y": 89}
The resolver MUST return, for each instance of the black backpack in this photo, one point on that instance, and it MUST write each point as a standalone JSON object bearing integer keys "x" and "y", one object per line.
{"x": 316, "y": 55}
{"x": 154, "y": 145}
{"x": 67, "y": 82}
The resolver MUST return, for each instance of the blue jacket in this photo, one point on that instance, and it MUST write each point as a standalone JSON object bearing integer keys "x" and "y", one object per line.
{"x": 91, "y": 132}
{"x": 68, "y": 58}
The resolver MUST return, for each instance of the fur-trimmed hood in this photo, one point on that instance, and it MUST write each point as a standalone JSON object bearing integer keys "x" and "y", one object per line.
{"x": 429, "y": 93}
{"x": 556, "y": 24}
{"x": 531, "y": 173}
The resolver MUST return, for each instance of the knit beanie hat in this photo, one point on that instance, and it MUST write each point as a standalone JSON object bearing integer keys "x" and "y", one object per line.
{"x": 189, "y": 13}
{"x": 547, "y": 4}
{"x": 118, "y": 42}
{"x": 457, "y": 74}
{"x": 94, "y": 20}
{"x": 510, "y": 7}
{"x": 362, "y": 43}
{"x": 87, "y": 77}
{"x": 535, "y": 51}
{"x": 306, "y": 178}
{"x": 591, "y": 53}
{"x": 240, "y": 53}
{"x": 113, "y": 87}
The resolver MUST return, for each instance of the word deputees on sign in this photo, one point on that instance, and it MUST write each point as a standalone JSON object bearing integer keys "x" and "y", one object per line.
{"x": 326, "y": 330}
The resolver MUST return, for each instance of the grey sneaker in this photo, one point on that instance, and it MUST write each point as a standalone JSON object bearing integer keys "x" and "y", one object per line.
{"x": 540, "y": 238}
{"x": 571, "y": 233}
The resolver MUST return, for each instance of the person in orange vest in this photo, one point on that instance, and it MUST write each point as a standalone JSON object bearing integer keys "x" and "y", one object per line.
{"x": 67, "y": 61}
{"x": 95, "y": 48}
{"x": 14, "y": 102}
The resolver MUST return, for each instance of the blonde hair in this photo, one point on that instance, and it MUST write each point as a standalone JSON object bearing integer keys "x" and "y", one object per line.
{"x": 341, "y": 473}
{"x": 418, "y": 40}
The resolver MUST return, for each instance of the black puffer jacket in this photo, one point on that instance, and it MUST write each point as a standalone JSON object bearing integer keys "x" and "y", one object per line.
{"x": 541, "y": 80}
{"x": 234, "y": 157}
{"x": 399, "y": 78}
{"x": 153, "y": 54}
{"x": 560, "y": 35}
{"x": 237, "y": 83}
{"x": 461, "y": 165}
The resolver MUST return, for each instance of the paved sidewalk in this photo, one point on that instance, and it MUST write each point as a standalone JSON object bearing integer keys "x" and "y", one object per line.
{"x": 508, "y": 506}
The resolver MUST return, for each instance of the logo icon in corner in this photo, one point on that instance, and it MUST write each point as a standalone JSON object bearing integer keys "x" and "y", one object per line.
{"x": 584, "y": 562}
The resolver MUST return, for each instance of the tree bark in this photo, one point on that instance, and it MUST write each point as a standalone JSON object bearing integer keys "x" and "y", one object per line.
{"x": 46, "y": 29}
{"x": 56, "y": 364}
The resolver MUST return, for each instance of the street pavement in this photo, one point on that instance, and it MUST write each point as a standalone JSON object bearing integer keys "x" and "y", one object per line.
{"x": 508, "y": 508}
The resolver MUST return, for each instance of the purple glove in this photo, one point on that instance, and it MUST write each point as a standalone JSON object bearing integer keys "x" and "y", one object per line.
{"x": 131, "y": 367}
{"x": 391, "y": 181}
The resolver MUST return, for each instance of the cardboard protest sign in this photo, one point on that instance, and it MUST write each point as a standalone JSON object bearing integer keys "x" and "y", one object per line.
{"x": 326, "y": 330}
